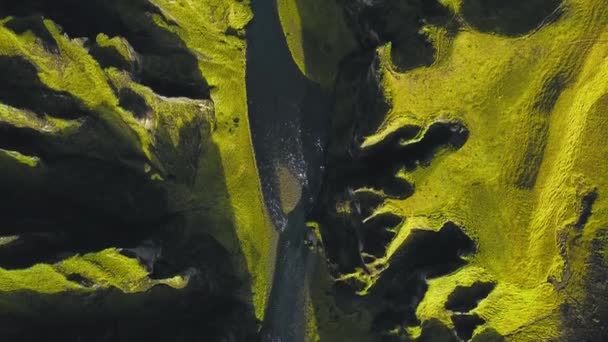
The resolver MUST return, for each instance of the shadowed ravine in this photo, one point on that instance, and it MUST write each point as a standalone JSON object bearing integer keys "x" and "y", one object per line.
{"x": 287, "y": 114}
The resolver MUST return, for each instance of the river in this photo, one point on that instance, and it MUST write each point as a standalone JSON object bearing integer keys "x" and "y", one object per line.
{"x": 288, "y": 117}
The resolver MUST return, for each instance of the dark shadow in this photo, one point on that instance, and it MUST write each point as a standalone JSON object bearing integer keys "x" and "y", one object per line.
{"x": 81, "y": 203}
{"x": 424, "y": 254}
{"x": 378, "y": 232}
{"x": 511, "y": 18}
{"x": 534, "y": 151}
{"x": 550, "y": 93}
{"x": 465, "y": 298}
{"x": 529, "y": 166}
{"x": 167, "y": 65}
{"x": 411, "y": 52}
{"x": 182, "y": 162}
{"x": 133, "y": 102}
{"x": 21, "y": 88}
{"x": 34, "y": 24}
{"x": 464, "y": 325}
{"x": 586, "y": 209}
{"x": 396, "y": 149}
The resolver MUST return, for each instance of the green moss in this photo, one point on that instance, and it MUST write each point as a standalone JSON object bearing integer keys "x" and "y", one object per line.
{"x": 20, "y": 158}
{"x": 317, "y": 36}
{"x": 39, "y": 278}
{"x": 104, "y": 269}
{"x": 110, "y": 268}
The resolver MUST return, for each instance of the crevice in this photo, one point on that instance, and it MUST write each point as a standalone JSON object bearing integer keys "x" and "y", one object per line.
{"x": 390, "y": 320}
{"x": 35, "y": 24}
{"x": 133, "y": 102}
{"x": 80, "y": 279}
{"x": 31, "y": 248}
{"x": 378, "y": 232}
{"x": 434, "y": 253}
{"x": 374, "y": 169}
{"x": 110, "y": 56}
{"x": 464, "y": 325}
{"x": 465, "y": 298}
{"x": 368, "y": 201}
{"x": 22, "y": 88}
{"x": 586, "y": 209}
{"x": 411, "y": 154}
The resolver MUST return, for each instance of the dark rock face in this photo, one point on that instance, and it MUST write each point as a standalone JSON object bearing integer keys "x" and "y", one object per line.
{"x": 465, "y": 298}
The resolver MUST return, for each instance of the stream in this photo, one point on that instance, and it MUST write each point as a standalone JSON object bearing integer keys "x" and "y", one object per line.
{"x": 288, "y": 117}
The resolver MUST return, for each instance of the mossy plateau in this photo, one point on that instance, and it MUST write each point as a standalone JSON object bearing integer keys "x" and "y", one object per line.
{"x": 524, "y": 183}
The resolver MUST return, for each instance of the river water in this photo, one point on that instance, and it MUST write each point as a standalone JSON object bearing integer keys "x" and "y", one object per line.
{"x": 288, "y": 117}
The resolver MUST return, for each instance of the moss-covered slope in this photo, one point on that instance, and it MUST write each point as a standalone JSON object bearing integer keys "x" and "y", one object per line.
{"x": 126, "y": 162}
